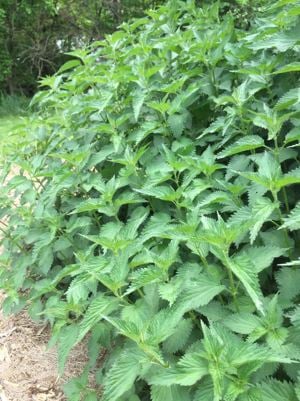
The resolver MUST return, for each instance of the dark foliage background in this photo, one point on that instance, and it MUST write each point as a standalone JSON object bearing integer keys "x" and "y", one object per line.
{"x": 35, "y": 34}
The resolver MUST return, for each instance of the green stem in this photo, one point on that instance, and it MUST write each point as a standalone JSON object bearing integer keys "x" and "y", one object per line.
{"x": 231, "y": 281}
{"x": 204, "y": 260}
{"x": 283, "y": 189}
{"x": 96, "y": 219}
{"x": 11, "y": 238}
{"x": 286, "y": 236}
{"x": 213, "y": 80}
{"x": 285, "y": 200}
{"x": 195, "y": 320}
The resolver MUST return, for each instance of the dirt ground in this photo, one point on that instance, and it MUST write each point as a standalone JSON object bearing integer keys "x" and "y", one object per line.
{"x": 28, "y": 371}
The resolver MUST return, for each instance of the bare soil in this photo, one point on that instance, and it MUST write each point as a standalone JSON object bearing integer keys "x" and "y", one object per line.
{"x": 28, "y": 370}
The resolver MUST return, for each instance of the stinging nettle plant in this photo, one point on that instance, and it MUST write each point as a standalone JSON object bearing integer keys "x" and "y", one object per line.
{"x": 155, "y": 208}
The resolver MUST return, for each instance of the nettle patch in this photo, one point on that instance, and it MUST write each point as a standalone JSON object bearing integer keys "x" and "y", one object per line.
{"x": 158, "y": 208}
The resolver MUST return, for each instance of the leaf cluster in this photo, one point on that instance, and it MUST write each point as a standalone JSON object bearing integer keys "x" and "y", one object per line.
{"x": 155, "y": 208}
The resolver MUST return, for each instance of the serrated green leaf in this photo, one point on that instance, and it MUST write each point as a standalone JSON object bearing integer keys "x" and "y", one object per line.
{"x": 137, "y": 103}
{"x": 274, "y": 390}
{"x": 243, "y": 269}
{"x": 288, "y": 279}
{"x": 170, "y": 393}
{"x": 100, "y": 306}
{"x": 262, "y": 210}
{"x": 243, "y": 323}
{"x": 178, "y": 340}
{"x": 121, "y": 376}
{"x": 241, "y": 145}
{"x": 67, "y": 340}
{"x": 197, "y": 293}
{"x": 190, "y": 369}
{"x": 177, "y": 124}
{"x": 292, "y": 222}
{"x": 292, "y": 67}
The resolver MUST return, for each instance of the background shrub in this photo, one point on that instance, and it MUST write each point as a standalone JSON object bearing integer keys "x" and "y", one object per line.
{"x": 156, "y": 208}
{"x": 35, "y": 35}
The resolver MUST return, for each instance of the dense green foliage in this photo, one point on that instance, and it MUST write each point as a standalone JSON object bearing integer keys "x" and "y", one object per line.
{"x": 34, "y": 35}
{"x": 156, "y": 208}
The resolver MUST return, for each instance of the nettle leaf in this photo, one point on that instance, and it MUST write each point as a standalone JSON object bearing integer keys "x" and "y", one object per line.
{"x": 242, "y": 145}
{"x": 269, "y": 172}
{"x": 170, "y": 291}
{"x": 67, "y": 340}
{"x": 170, "y": 393}
{"x": 287, "y": 279}
{"x": 276, "y": 390}
{"x": 159, "y": 225}
{"x": 178, "y": 340}
{"x": 145, "y": 276}
{"x": 262, "y": 257}
{"x": 190, "y": 368}
{"x": 137, "y": 103}
{"x": 214, "y": 347}
{"x": 120, "y": 378}
{"x": 216, "y": 197}
{"x": 243, "y": 269}
{"x": 136, "y": 219}
{"x": 293, "y": 177}
{"x": 219, "y": 233}
{"x": 243, "y": 322}
{"x": 90, "y": 205}
{"x": 261, "y": 211}
{"x": 177, "y": 123}
{"x": 163, "y": 325}
{"x": 197, "y": 293}
{"x": 292, "y": 135}
{"x": 282, "y": 41}
{"x": 292, "y": 222}
{"x": 205, "y": 390}
{"x": 96, "y": 158}
{"x": 101, "y": 306}
{"x": 289, "y": 100}
{"x": 291, "y": 67}
{"x": 162, "y": 192}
